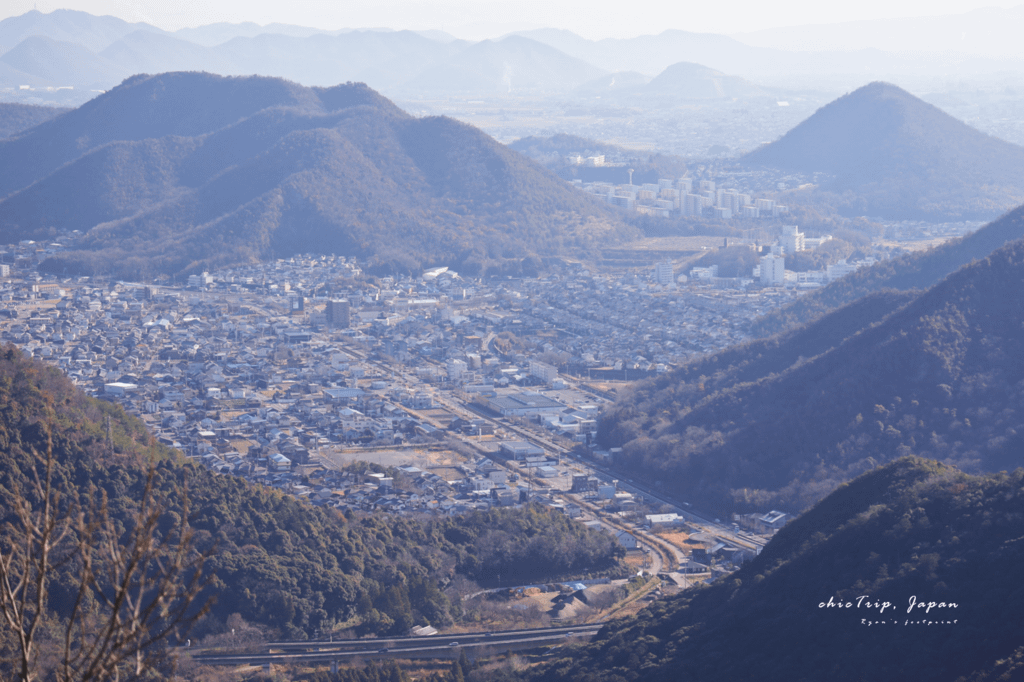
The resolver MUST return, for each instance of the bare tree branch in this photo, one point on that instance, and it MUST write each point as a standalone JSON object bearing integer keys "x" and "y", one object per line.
{"x": 134, "y": 590}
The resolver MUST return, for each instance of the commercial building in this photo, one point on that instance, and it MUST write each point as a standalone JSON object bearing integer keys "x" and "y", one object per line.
{"x": 517, "y": 449}
{"x": 524, "y": 404}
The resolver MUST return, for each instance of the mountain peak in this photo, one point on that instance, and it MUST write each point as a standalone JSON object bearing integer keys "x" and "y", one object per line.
{"x": 905, "y": 157}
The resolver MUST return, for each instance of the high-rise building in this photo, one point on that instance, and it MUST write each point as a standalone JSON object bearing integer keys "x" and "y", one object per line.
{"x": 663, "y": 273}
{"x": 693, "y": 205}
{"x": 338, "y": 313}
{"x": 792, "y": 239}
{"x": 773, "y": 271}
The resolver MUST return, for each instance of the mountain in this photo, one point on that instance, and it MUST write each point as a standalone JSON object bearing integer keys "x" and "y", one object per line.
{"x": 71, "y": 26}
{"x": 141, "y": 108}
{"x": 212, "y": 35}
{"x": 916, "y": 270}
{"x": 652, "y": 54}
{"x": 690, "y": 81}
{"x": 649, "y": 54}
{"x": 913, "y": 529}
{"x": 901, "y": 158}
{"x": 162, "y": 168}
{"x": 384, "y": 60}
{"x": 17, "y": 118}
{"x": 677, "y": 83}
{"x": 512, "y": 64}
{"x": 62, "y": 63}
{"x": 148, "y": 52}
{"x": 936, "y": 376}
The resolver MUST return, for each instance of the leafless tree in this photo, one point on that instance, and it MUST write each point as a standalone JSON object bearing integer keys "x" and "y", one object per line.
{"x": 133, "y": 589}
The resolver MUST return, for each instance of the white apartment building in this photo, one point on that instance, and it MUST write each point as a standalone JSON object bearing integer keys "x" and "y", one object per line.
{"x": 543, "y": 371}
{"x": 456, "y": 369}
{"x": 773, "y": 271}
{"x": 792, "y": 239}
{"x": 663, "y": 274}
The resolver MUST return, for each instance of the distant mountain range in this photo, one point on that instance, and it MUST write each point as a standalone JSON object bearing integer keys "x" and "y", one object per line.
{"x": 782, "y": 422}
{"x": 912, "y": 530}
{"x": 776, "y": 65}
{"x": 408, "y": 63}
{"x": 184, "y": 171}
{"x": 513, "y": 64}
{"x": 40, "y": 50}
{"x": 901, "y": 158}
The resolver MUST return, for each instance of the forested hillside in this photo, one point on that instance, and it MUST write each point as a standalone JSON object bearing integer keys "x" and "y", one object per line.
{"x": 277, "y": 562}
{"x": 182, "y": 172}
{"x": 17, "y": 118}
{"x": 912, "y": 529}
{"x": 938, "y": 377}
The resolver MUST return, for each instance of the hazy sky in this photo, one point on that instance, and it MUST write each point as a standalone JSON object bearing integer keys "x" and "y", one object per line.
{"x": 476, "y": 19}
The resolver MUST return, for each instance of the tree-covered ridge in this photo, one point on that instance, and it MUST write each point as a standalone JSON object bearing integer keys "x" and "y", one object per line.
{"x": 756, "y": 360}
{"x": 913, "y": 528}
{"x": 913, "y": 271}
{"x": 17, "y": 118}
{"x": 181, "y": 172}
{"x": 891, "y": 154}
{"x": 939, "y": 377}
{"x": 274, "y": 560}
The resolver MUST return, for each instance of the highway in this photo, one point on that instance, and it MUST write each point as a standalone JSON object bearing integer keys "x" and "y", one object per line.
{"x": 435, "y": 646}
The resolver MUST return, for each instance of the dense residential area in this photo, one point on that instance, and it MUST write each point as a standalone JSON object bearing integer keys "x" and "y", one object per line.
{"x": 429, "y": 396}
{"x": 309, "y": 351}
